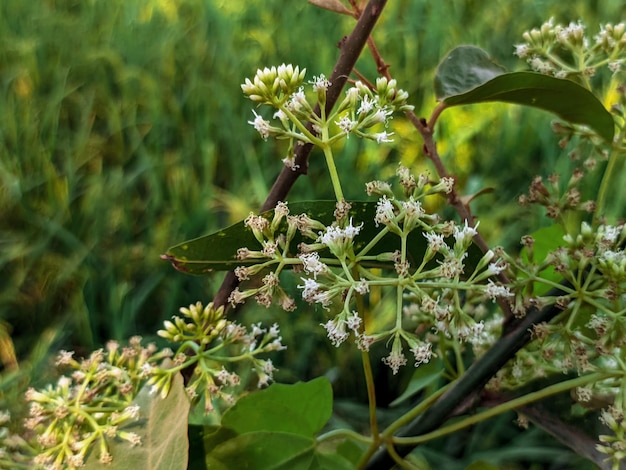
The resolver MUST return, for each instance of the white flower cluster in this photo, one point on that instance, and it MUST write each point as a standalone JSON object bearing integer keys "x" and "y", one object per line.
{"x": 566, "y": 51}
{"x": 362, "y": 112}
{"x": 334, "y": 268}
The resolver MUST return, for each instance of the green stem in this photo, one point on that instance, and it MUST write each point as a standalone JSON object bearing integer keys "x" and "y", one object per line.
{"x": 508, "y": 406}
{"x": 606, "y": 179}
{"x": 373, "y": 242}
{"x": 412, "y": 414}
{"x": 341, "y": 433}
{"x": 301, "y": 127}
{"x": 371, "y": 396}
{"x": 332, "y": 170}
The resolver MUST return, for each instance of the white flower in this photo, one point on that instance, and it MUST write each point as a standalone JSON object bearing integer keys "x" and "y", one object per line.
{"x": 447, "y": 183}
{"x": 435, "y": 241}
{"x": 352, "y": 94}
{"x": 362, "y": 287}
{"x": 312, "y": 293}
{"x": 290, "y": 163}
{"x": 65, "y": 357}
{"x": 494, "y": 291}
{"x": 339, "y": 239}
{"x": 395, "y": 360}
{"x": 309, "y": 289}
{"x": 422, "y": 352}
{"x": 612, "y": 257}
{"x": 413, "y": 208}
{"x": 261, "y": 125}
{"x": 522, "y": 50}
{"x": 280, "y": 114}
{"x": 354, "y": 322}
{"x": 608, "y": 234}
{"x": 377, "y": 187}
{"x": 496, "y": 268}
{"x": 366, "y": 105}
{"x": 336, "y": 331}
{"x": 382, "y": 137}
{"x": 451, "y": 267}
{"x": 616, "y": 65}
{"x": 464, "y": 235}
{"x": 573, "y": 33}
{"x": 312, "y": 264}
{"x": 297, "y": 100}
{"x": 384, "y": 211}
{"x": 320, "y": 83}
{"x": 380, "y": 116}
{"x": 346, "y": 124}
{"x": 363, "y": 342}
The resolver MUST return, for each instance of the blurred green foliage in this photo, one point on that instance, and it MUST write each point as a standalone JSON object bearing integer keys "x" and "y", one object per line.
{"x": 123, "y": 131}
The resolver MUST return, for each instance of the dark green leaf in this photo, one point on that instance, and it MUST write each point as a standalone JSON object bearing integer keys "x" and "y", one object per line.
{"x": 463, "y": 69}
{"x": 568, "y": 100}
{"x": 425, "y": 375}
{"x": 468, "y": 75}
{"x": 274, "y": 429}
{"x": 217, "y": 251}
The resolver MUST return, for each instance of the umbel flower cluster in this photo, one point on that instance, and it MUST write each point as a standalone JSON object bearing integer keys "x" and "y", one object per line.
{"x": 93, "y": 404}
{"x": 363, "y": 111}
{"x": 337, "y": 264}
{"x": 587, "y": 274}
{"x": 391, "y": 244}
{"x": 208, "y": 342}
{"x": 567, "y": 52}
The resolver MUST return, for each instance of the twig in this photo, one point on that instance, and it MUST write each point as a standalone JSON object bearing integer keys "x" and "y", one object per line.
{"x": 568, "y": 435}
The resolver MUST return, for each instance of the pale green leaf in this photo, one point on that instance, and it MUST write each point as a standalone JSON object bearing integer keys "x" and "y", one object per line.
{"x": 163, "y": 431}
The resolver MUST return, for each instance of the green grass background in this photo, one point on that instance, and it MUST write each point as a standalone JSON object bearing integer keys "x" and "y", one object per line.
{"x": 123, "y": 131}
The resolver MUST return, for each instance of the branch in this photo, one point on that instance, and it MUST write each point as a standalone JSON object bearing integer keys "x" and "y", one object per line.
{"x": 351, "y": 48}
{"x": 568, "y": 435}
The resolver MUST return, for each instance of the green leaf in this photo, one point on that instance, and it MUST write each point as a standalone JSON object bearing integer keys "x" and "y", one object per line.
{"x": 218, "y": 251}
{"x": 263, "y": 450}
{"x": 463, "y": 69}
{"x": 467, "y": 76}
{"x": 274, "y": 429}
{"x": 568, "y": 100}
{"x": 425, "y": 375}
{"x": 481, "y": 465}
{"x": 302, "y": 408}
{"x": 163, "y": 432}
{"x": 547, "y": 239}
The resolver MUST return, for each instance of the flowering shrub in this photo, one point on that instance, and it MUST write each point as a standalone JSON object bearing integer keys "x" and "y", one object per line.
{"x": 497, "y": 321}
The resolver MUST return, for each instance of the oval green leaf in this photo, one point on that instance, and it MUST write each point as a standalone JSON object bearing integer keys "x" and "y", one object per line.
{"x": 568, "y": 100}
{"x": 217, "y": 252}
{"x": 468, "y": 75}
